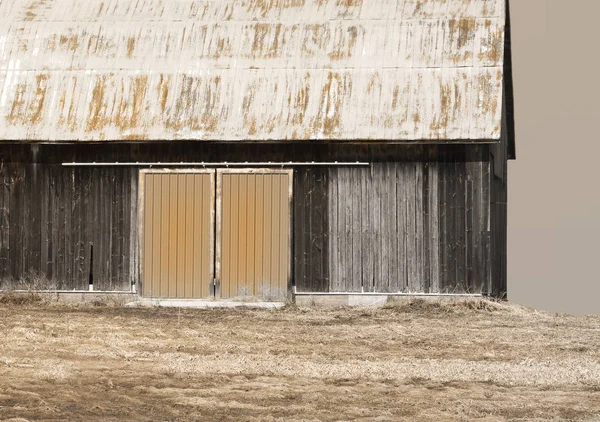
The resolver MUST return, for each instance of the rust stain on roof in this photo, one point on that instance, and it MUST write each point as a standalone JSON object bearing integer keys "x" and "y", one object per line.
{"x": 130, "y": 47}
{"x": 97, "y": 117}
{"x": 252, "y": 70}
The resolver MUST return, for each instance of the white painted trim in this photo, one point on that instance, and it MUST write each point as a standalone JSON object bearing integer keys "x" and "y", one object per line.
{"x": 221, "y": 164}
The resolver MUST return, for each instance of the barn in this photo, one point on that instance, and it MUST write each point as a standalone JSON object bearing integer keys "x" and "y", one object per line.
{"x": 255, "y": 149}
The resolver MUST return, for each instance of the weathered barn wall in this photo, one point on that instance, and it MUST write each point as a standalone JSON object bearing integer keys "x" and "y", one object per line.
{"x": 60, "y": 226}
{"x": 311, "y": 229}
{"x": 416, "y": 220}
{"x": 409, "y": 227}
{"x": 400, "y": 226}
{"x": 253, "y": 70}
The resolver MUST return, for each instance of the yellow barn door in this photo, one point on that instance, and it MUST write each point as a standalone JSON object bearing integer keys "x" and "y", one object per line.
{"x": 178, "y": 233}
{"x": 253, "y": 233}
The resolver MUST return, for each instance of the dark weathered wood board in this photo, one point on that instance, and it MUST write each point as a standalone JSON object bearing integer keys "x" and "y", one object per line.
{"x": 51, "y": 216}
{"x": 310, "y": 248}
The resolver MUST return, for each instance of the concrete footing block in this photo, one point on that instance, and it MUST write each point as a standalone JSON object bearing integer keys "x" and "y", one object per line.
{"x": 203, "y": 304}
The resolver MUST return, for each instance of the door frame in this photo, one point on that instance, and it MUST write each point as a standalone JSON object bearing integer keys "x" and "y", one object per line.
{"x": 290, "y": 173}
{"x": 141, "y": 214}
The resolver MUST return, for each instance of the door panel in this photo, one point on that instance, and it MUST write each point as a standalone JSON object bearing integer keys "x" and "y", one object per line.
{"x": 178, "y": 240}
{"x": 253, "y": 233}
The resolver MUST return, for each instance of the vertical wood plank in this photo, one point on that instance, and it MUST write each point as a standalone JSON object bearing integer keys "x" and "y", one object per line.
{"x": 460, "y": 220}
{"x": 384, "y": 227}
{"x": 241, "y": 283}
{"x": 393, "y": 232}
{"x": 225, "y": 233}
{"x": 251, "y": 222}
{"x": 34, "y": 221}
{"x": 181, "y": 229}
{"x": 5, "y": 222}
{"x": 87, "y": 212}
{"x": 434, "y": 264}
{"x": 419, "y": 230}
{"x": 70, "y": 246}
{"x": 284, "y": 230}
{"x": 276, "y": 215}
{"x": 155, "y": 217}
{"x": 150, "y": 261}
{"x": 426, "y": 257}
{"x": 125, "y": 228}
{"x": 411, "y": 220}
{"x": 133, "y": 252}
{"x": 470, "y": 282}
{"x": 318, "y": 229}
{"x": 354, "y": 200}
{"x": 375, "y": 199}
{"x": 332, "y": 205}
{"x": 16, "y": 239}
{"x": 444, "y": 211}
{"x": 402, "y": 227}
{"x": 171, "y": 273}
{"x": 258, "y": 238}
{"x": 301, "y": 180}
{"x": 366, "y": 232}
{"x": 44, "y": 224}
{"x": 190, "y": 210}
{"x": 25, "y": 211}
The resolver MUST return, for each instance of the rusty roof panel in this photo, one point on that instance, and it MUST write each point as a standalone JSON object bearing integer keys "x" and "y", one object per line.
{"x": 337, "y": 44}
{"x": 251, "y": 69}
{"x": 253, "y": 104}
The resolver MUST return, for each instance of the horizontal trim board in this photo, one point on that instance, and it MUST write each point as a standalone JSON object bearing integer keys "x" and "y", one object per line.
{"x": 225, "y": 164}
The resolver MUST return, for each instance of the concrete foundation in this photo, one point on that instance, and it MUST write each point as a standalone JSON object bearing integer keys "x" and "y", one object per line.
{"x": 368, "y": 300}
{"x": 202, "y": 304}
{"x": 331, "y": 300}
{"x": 80, "y": 296}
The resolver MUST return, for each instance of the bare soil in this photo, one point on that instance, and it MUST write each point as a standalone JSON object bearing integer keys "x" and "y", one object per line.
{"x": 425, "y": 361}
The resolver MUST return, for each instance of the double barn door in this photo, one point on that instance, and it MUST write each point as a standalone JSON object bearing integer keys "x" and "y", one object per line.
{"x": 215, "y": 233}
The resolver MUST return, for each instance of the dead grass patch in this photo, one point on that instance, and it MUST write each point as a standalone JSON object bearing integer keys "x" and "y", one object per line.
{"x": 19, "y": 299}
{"x": 436, "y": 306}
{"x": 418, "y": 360}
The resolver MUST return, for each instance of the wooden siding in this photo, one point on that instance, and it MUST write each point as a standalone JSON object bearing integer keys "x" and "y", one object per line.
{"x": 311, "y": 229}
{"x": 68, "y": 210}
{"x": 64, "y": 228}
{"x": 409, "y": 227}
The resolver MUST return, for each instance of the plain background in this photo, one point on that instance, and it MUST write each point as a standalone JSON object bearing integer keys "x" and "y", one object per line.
{"x": 554, "y": 185}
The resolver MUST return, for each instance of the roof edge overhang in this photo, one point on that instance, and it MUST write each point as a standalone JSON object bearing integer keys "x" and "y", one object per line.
{"x": 252, "y": 141}
{"x": 509, "y": 96}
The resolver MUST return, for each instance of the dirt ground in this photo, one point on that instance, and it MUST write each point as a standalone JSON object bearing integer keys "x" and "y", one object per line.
{"x": 429, "y": 361}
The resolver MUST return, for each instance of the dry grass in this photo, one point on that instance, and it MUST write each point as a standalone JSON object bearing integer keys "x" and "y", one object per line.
{"x": 416, "y": 360}
{"x": 11, "y": 298}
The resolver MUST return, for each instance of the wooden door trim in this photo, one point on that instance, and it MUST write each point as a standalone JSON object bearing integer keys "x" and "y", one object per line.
{"x": 141, "y": 214}
{"x": 219, "y": 221}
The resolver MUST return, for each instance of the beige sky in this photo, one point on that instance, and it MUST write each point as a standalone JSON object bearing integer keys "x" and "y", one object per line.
{"x": 554, "y": 186}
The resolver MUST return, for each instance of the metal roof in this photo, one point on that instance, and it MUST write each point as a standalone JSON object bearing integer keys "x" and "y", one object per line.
{"x": 393, "y": 70}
